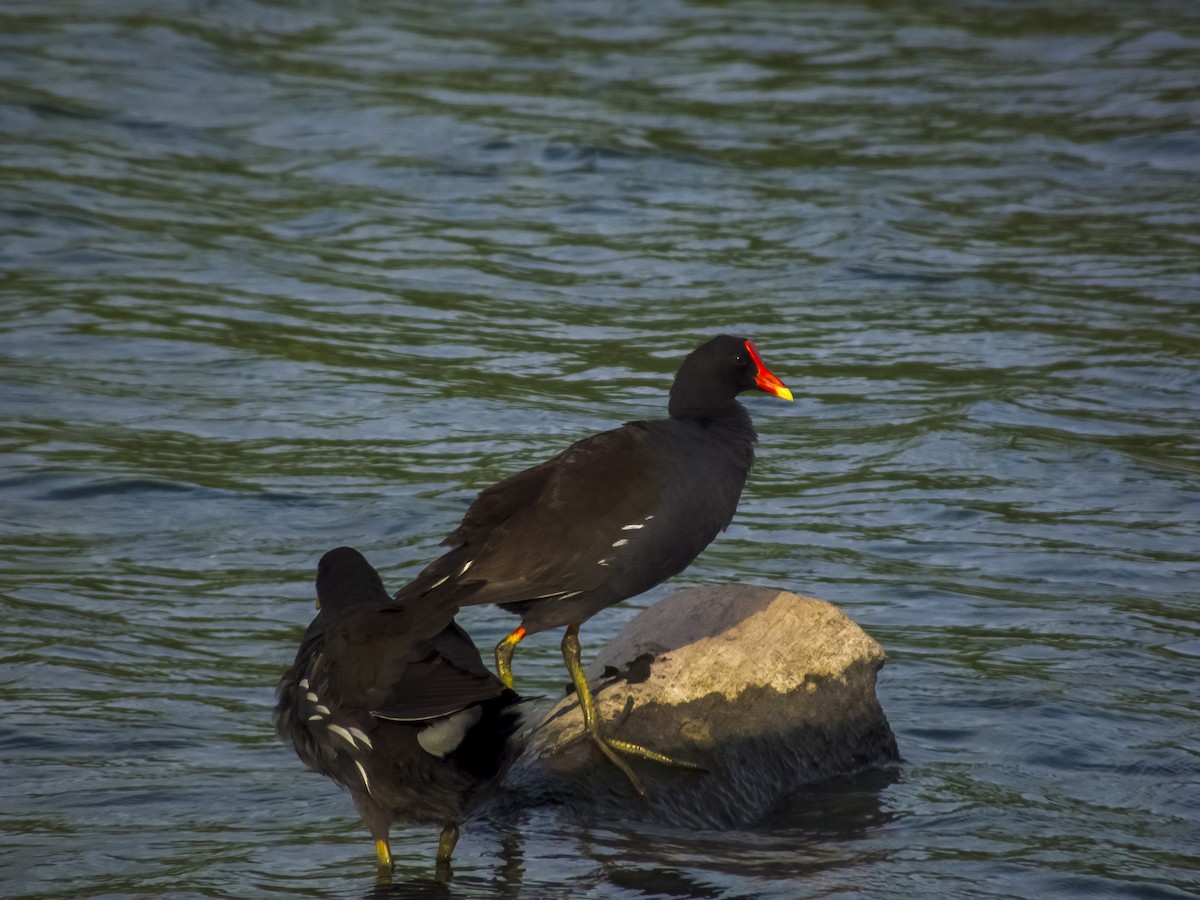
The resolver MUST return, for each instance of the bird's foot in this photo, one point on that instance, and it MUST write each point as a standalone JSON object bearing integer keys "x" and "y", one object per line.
{"x": 641, "y": 752}
{"x": 614, "y": 750}
{"x": 606, "y": 747}
{"x": 383, "y": 853}
{"x": 653, "y": 755}
{"x": 591, "y": 717}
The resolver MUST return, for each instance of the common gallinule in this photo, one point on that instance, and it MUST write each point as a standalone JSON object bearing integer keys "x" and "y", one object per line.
{"x": 393, "y": 702}
{"x": 608, "y": 518}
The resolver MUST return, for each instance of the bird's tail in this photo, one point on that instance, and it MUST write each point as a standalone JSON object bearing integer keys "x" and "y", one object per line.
{"x": 492, "y": 744}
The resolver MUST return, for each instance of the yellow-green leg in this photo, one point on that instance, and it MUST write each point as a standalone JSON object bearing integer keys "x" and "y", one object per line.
{"x": 504, "y": 655}
{"x": 445, "y": 848}
{"x": 383, "y": 853}
{"x": 591, "y": 720}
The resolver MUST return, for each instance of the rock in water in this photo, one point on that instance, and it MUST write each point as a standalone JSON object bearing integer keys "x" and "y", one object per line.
{"x": 767, "y": 690}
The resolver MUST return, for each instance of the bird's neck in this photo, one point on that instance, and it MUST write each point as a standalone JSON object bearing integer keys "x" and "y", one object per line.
{"x": 729, "y": 421}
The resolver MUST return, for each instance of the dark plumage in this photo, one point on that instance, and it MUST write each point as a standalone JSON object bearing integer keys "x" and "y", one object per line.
{"x": 392, "y": 701}
{"x": 610, "y": 517}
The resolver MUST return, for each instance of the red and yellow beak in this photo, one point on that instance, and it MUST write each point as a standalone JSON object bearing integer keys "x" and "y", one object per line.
{"x": 765, "y": 380}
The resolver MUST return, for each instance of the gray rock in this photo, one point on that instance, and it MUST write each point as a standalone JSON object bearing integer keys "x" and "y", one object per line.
{"x": 767, "y": 690}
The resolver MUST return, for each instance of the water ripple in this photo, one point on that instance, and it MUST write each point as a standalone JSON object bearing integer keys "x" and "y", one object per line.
{"x": 277, "y": 279}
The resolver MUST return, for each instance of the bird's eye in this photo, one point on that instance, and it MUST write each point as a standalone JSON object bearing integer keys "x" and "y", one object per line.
{"x": 739, "y": 359}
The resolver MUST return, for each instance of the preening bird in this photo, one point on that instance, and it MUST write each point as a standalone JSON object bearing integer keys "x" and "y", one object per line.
{"x": 392, "y": 701}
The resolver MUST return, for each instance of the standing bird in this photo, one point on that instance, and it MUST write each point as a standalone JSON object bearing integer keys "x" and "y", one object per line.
{"x": 608, "y": 518}
{"x": 392, "y": 701}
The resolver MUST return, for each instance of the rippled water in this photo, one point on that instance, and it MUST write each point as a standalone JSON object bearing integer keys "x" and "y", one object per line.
{"x": 276, "y": 279}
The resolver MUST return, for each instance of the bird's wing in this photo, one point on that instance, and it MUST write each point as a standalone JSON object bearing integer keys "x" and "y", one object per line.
{"x": 545, "y": 532}
{"x": 406, "y": 663}
{"x": 606, "y": 475}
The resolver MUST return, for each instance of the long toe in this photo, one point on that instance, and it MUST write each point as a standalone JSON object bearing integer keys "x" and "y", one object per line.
{"x": 605, "y": 747}
{"x": 637, "y": 750}
{"x": 614, "y": 750}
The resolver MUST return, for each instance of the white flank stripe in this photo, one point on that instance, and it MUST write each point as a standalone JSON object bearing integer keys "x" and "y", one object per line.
{"x": 343, "y": 734}
{"x": 363, "y": 773}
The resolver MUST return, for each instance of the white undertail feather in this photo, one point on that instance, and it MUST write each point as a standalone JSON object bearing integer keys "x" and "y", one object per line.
{"x": 444, "y": 735}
